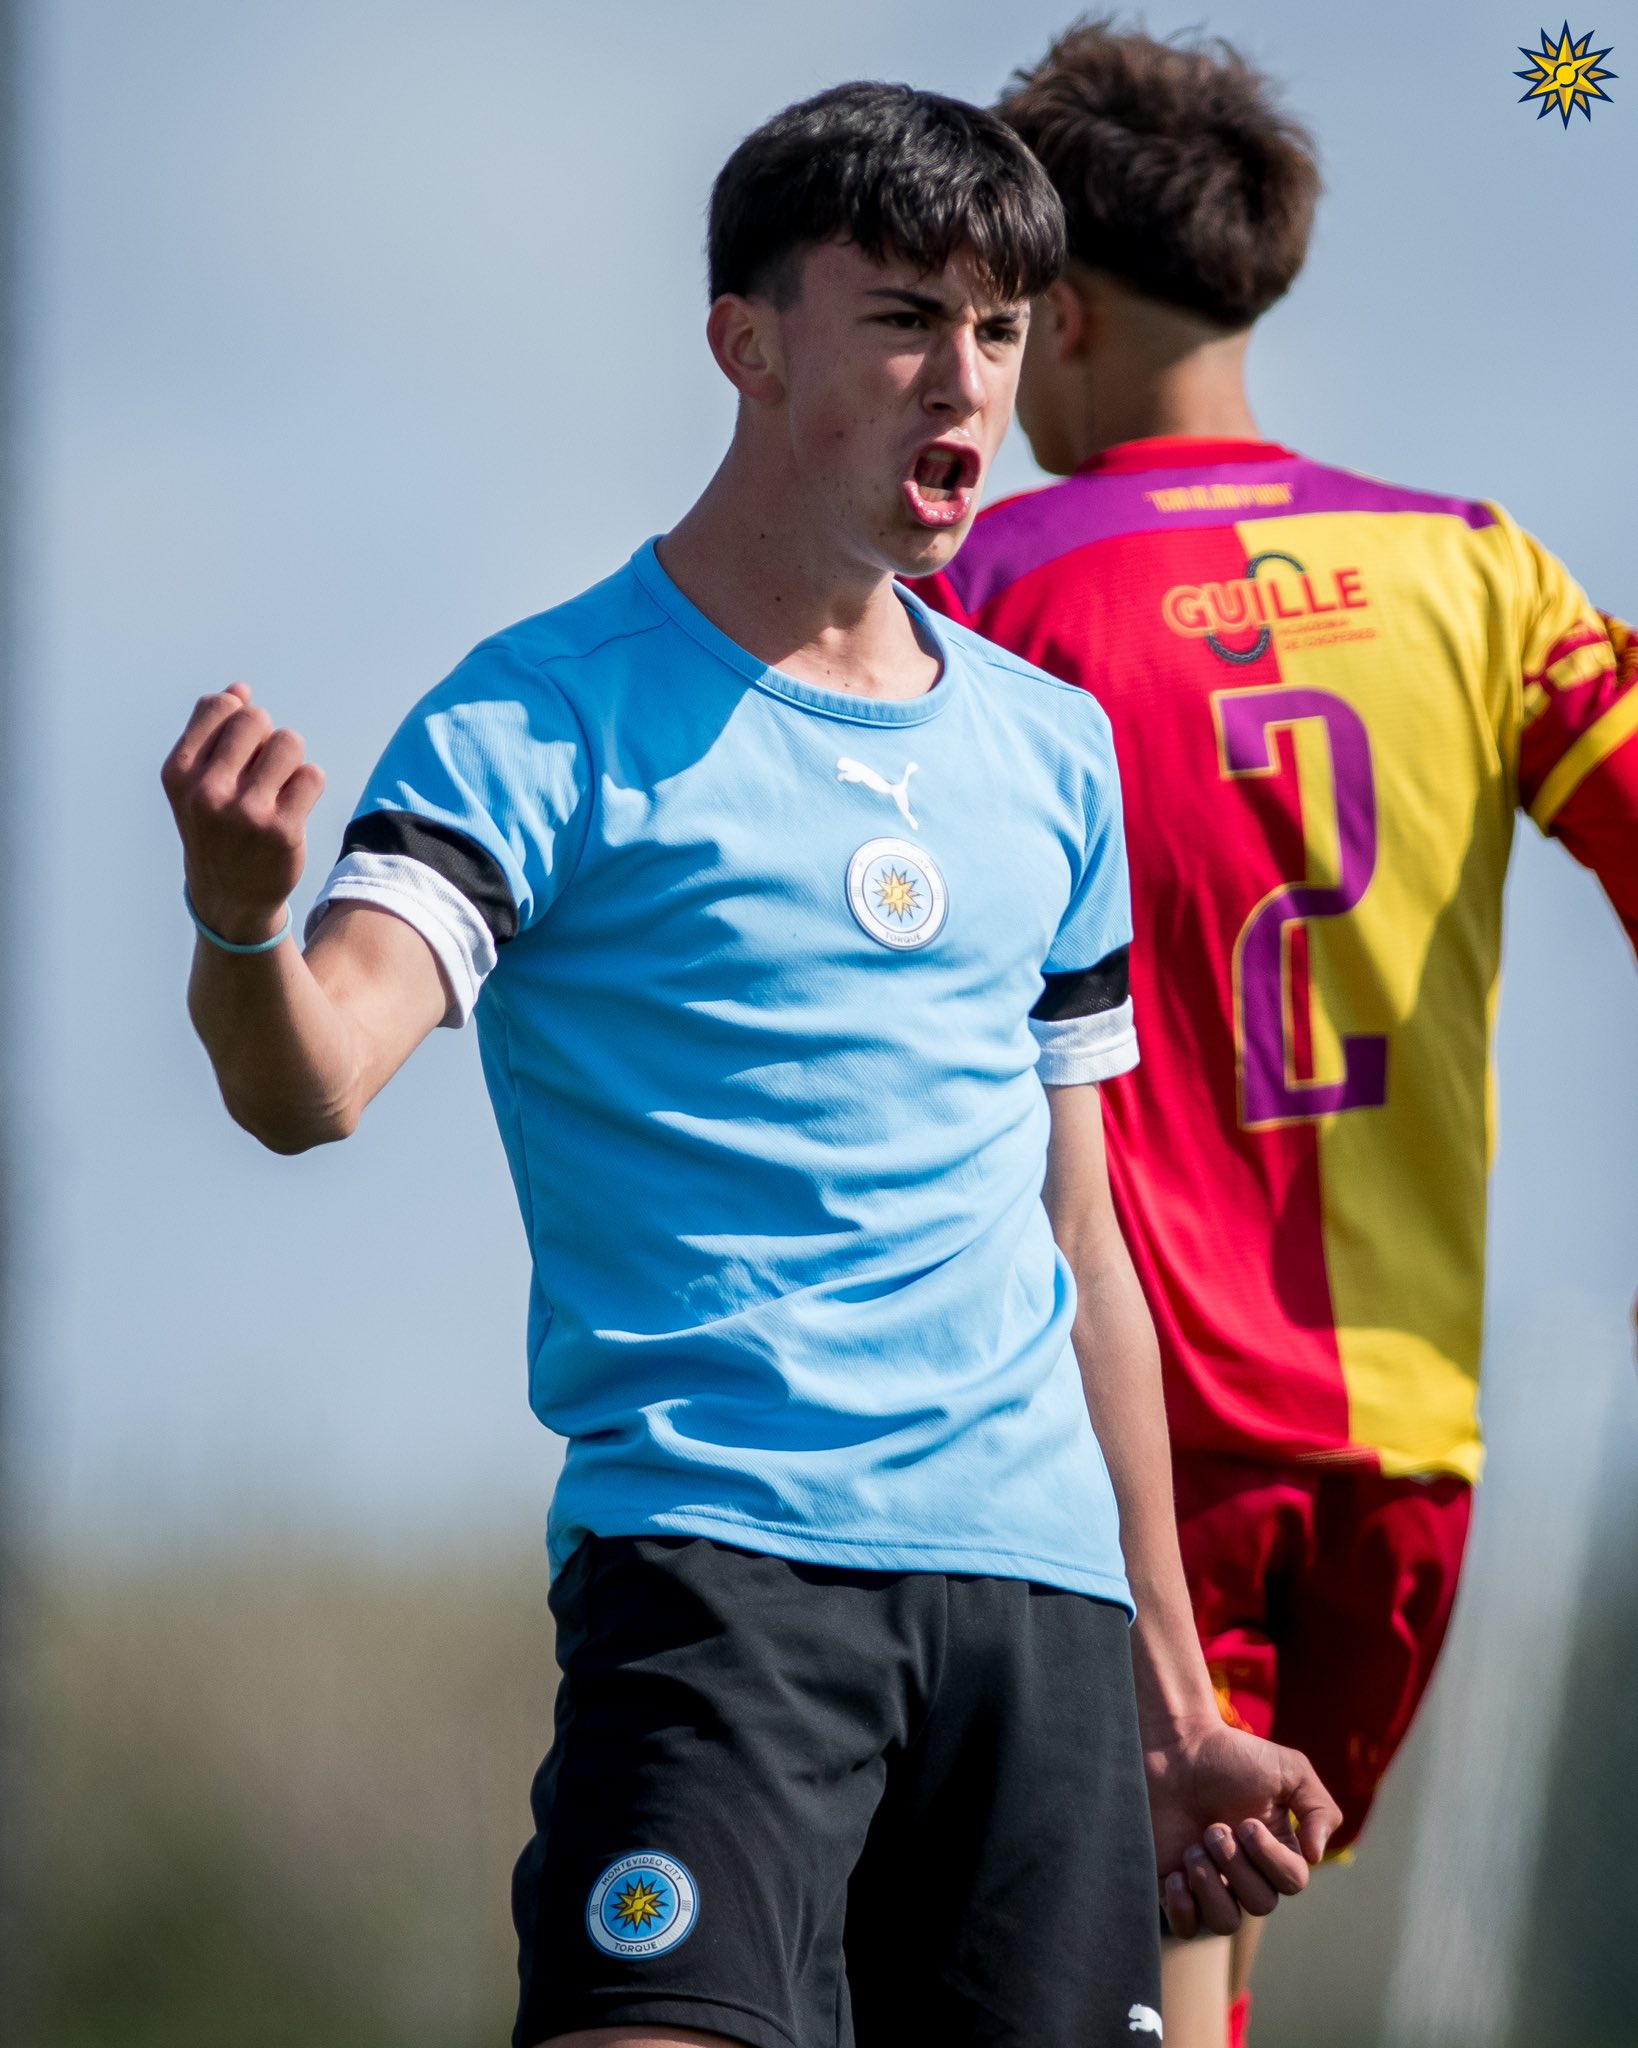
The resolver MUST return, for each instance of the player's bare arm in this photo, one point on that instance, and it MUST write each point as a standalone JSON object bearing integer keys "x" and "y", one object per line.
{"x": 300, "y": 1042}
{"x": 1208, "y": 1783}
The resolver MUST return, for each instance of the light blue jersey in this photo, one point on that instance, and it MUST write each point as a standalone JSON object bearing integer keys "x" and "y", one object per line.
{"x": 753, "y": 966}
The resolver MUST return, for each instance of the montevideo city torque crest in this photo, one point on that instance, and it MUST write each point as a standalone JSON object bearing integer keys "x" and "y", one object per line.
{"x": 642, "y": 1905}
{"x": 1564, "y": 75}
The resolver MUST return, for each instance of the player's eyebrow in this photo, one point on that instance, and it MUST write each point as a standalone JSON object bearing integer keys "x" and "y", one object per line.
{"x": 920, "y": 302}
{"x": 929, "y": 302}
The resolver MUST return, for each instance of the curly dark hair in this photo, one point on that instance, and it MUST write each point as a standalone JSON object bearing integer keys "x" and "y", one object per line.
{"x": 1179, "y": 173}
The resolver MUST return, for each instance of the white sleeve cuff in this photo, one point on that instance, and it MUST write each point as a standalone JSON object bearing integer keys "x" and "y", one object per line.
{"x": 460, "y": 940}
{"x": 1077, "y": 1050}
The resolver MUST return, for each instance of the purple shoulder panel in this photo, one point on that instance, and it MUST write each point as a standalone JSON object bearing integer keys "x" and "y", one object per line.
{"x": 1344, "y": 490}
{"x": 1027, "y": 532}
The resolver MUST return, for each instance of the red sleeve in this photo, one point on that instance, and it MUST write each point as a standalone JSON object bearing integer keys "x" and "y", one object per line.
{"x": 1598, "y": 820}
{"x": 1588, "y": 795}
{"x": 1577, "y": 763}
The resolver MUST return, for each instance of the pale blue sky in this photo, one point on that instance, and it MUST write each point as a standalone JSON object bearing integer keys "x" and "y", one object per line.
{"x": 357, "y": 329}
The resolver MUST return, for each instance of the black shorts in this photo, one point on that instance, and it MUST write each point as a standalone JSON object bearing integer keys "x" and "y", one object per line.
{"x": 808, "y": 1808}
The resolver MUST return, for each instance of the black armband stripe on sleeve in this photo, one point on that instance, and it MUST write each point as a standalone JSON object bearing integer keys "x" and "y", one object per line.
{"x": 1086, "y": 990}
{"x": 461, "y": 861}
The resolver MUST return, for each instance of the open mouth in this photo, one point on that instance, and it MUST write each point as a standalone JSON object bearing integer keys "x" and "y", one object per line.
{"x": 939, "y": 489}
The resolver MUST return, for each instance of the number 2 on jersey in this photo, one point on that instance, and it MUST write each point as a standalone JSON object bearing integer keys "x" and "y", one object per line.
{"x": 1264, "y": 997}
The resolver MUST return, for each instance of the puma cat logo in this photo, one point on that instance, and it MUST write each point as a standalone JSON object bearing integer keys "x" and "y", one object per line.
{"x": 849, "y": 770}
{"x": 1143, "y": 2019}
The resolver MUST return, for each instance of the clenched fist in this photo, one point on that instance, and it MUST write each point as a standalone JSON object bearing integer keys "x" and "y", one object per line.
{"x": 242, "y": 790}
{"x": 1237, "y": 1822}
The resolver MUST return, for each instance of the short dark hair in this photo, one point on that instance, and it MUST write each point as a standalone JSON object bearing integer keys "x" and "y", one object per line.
{"x": 897, "y": 172}
{"x": 1179, "y": 173}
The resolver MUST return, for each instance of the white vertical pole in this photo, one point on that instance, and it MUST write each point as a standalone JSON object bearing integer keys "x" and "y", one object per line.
{"x": 1499, "y": 1699}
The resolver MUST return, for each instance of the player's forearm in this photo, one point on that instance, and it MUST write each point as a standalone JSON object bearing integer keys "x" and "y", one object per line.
{"x": 1120, "y": 1370}
{"x": 286, "y": 1057}
{"x": 300, "y": 1042}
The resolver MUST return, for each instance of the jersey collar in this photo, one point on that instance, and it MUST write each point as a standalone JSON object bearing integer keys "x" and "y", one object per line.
{"x": 1180, "y": 451}
{"x": 646, "y": 566}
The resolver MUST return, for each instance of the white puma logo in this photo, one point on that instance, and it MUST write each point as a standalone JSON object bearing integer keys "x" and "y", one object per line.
{"x": 848, "y": 770}
{"x": 1143, "y": 2019}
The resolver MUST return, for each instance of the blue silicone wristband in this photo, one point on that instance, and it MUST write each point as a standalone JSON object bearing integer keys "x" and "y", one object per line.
{"x": 227, "y": 945}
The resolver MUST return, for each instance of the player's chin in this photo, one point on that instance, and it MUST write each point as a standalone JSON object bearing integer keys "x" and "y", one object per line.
{"x": 920, "y": 550}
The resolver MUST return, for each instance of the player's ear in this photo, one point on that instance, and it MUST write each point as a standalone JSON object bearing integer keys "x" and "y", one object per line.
{"x": 744, "y": 338}
{"x": 1061, "y": 312}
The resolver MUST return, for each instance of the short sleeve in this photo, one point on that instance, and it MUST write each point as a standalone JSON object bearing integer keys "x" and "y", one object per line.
{"x": 1083, "y": 1021}
{"x": 1578, "y": 744}
{"x": 1579, "y": 701}
{"x": 474, "y": 817}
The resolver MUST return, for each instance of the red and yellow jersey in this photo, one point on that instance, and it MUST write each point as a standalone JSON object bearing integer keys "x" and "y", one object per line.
{"x": 1329, "y": 698}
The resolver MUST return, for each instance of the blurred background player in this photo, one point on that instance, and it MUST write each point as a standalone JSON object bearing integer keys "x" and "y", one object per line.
{"x": 1330, "y": 698}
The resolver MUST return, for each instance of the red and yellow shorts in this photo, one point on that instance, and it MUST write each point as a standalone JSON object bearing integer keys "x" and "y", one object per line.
{"x": 1322, "y": 1597}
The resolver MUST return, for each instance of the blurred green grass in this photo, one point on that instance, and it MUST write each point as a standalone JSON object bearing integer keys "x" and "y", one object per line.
{"x": 276, "y": 1801}
{"x": 273, "y": 1801}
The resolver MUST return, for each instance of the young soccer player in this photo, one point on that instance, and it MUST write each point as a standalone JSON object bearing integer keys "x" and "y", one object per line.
{"x": 770, "y": 894}
{"x": 1329, "y": 697}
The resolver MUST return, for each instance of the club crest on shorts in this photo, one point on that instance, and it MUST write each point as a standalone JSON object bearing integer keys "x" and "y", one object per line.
{"x": 896, "y": 893}
{"x": 642, "y": 1905}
